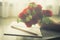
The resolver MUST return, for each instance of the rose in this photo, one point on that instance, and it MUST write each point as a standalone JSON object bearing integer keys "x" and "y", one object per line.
{"x": 47, "y": 13}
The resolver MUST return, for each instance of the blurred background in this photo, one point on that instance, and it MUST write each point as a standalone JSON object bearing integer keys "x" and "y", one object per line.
{"x": 9, "y": 10}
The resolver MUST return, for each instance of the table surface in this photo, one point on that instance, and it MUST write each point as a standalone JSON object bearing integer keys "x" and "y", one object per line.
{"x": 34, "y": 29}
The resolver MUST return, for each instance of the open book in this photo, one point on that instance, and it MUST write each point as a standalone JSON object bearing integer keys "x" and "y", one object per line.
{"x": 21, "y": 29}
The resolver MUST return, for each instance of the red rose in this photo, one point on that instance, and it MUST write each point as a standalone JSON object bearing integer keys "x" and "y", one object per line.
{"x": 28, "y": 24}
{"x": 39, "y": 6}
{"x": 23, "y": 13}
{"x": 47, "y": 13}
